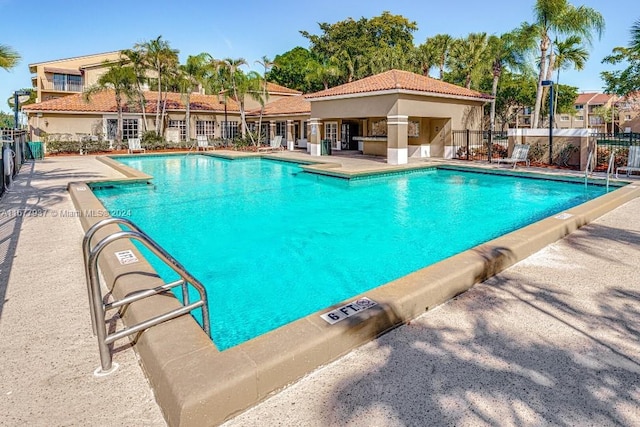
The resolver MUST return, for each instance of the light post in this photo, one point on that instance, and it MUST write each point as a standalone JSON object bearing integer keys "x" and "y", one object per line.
{"x": 18, "y": 96}
{"x": 550, "y": 83}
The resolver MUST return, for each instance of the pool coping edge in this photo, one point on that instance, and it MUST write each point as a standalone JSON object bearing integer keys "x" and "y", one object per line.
{"x": 196, "y": 384}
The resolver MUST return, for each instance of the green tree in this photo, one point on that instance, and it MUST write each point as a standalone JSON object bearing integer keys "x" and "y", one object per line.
{"x": 351, "y": 45}
{"x": 190, "y": 76}
{"x": 569, "y": 53}
{"x": 135, "y": 58}
{"x": 267, "y": 65}
{"x": 6, "y": 120}
{"x": 466, "y": 57}
{"x": 560, "y": 18}
{"x": 422, "y": 58}
{"x": 122, "y": 80}
{"x": 291, "y": 70}
{"x": 627, "y": 81}
{"x": 233, "y": 82}
{"x": 9, "y": 58}
{"x": 326, "y": 73}
{"x": 505, "y": 51}
{"x": 441, "y": 45}
{"x": 162, "y": 60}
{"x": 515, "y": 92}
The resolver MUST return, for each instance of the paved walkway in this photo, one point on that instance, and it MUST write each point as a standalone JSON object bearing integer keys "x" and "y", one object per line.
{"x": 47, "y": 351}
{"x": 553, "y": 340}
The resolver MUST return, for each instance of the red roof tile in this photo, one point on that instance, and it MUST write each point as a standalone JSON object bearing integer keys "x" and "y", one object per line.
{"x": 105, "y": 102}
{"x": 399, "y": 80}
{"x": 289, "y": 105}
{"x": 584, "y": 98}
{"x": 281, "y": 90}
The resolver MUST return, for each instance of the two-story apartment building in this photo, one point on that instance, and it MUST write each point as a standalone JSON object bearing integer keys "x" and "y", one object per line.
{"x": 629, "y": 112}
{"x": 62, "y": 77}
{"x": 588, "y": 113}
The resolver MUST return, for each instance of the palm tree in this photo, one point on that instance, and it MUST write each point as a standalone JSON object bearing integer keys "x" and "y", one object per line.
{"x": 467, "y": 55}
{"x": 561, "y": 18}
{"x": 135, "y": 59}
{"x": 9, "y": 58}
{"x": 229, "y": 78}
{"x": 267, "y": 64}
{"x": 507, "y": 50}
{"x": 322, "y": 72}
{"x": 122, "y": 80}
{"x": 441, "y": 45}
{"x": 423, "y": 58}
{"x": 190, "y": 76}
{"x": 635, "y": 37}
{"x": 569, "y": 53}
{"x": 162, "y": 59}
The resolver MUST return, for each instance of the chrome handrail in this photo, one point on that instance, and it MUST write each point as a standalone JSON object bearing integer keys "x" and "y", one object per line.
{"x": 612, "y": 159}
{"x": 589, "y": 168}
{"x": 98, "y": 307}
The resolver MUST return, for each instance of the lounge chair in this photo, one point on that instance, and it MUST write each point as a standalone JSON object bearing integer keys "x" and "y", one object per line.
{"x": 134, "y": 145}
{"x": 203, "y": 143}
{"x": 276, "y": 144}
{"x": 633, "y": 161}
{"x": 520, "y": 154}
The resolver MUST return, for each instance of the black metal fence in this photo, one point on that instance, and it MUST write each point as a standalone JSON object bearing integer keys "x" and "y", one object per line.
{"x": 479, "y": 145}
{"x": 15, "y": 151}
{"x": 607, "y": 143}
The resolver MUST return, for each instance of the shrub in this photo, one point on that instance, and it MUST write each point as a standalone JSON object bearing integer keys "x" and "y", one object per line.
{"x": 151, "y": 141}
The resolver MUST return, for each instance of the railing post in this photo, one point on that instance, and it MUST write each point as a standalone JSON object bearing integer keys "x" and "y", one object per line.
{"x": 490, "y": 144}
{"x": 467, "y": 136}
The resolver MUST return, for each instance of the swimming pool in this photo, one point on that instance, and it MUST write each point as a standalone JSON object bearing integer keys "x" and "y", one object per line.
{"x": 273, "y": 243}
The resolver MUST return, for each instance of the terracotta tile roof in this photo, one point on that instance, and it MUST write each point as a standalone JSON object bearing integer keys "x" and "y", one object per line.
{"x": 289, "y": 105}
{"x": 584, "y": 98}
{"x": 399, "y": 80}
{"x": 276, "y": 88}
{"x": 600, "y": 99}
{"x": 103, "y": 102}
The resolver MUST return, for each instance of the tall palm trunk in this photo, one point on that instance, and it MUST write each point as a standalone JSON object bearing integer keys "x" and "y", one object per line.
{"x": 544, "y": 46}
{"x": 164, "y": 112}
{"x": 497, "y": 71}
{"x": 143, "y": 106}
{"x": 119, "y": 126}
{"x": 188, "y": 116}
{"x": 158, "y": 100}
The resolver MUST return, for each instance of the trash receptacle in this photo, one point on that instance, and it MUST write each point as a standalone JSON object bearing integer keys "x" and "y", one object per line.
{"x": 325, "y": 147}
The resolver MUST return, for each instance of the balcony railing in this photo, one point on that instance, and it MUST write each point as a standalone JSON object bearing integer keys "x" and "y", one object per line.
{"x": 595, "y": 120}
{"x": 62, "y": 86}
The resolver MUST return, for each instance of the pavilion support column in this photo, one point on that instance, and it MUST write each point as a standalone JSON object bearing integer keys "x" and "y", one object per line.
{"x": 397, "y": 140}
{"x": 290, "y": 135}
{"x": 272, "y": 130}
{"x": 314, "y": 137}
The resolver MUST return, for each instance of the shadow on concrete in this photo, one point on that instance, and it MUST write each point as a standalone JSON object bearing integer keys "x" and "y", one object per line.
{"x": 476, "y": 372}
{"x": 21, "y": 201}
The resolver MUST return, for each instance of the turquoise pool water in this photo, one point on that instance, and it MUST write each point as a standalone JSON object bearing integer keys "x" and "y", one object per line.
{"x": 273, "y": 244}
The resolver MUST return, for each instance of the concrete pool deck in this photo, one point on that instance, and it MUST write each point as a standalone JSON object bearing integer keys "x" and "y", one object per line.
{"x": 511, "y": 347}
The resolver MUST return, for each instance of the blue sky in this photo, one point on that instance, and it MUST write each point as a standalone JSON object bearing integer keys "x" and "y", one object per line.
{"x": 251, "y": 29}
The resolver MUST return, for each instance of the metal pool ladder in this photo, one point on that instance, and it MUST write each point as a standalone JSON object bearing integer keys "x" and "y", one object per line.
{"x": 98, "y": 307}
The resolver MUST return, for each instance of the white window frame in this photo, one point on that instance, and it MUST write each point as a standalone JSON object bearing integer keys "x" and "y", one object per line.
{"x": 180, "y": 124}
{"x": 206, "y": 128}
{"x": 331, "y": 133}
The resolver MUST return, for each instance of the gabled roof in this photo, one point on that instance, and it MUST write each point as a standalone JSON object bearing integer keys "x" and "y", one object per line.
{"x": 105, "y": 102}
{"x": 287, "y": 106}
{"x": 73, "y": 58}
{"x": 592, "y": 98}
{"x": 277, "y": 89}
{"x": 399, "y": 81}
